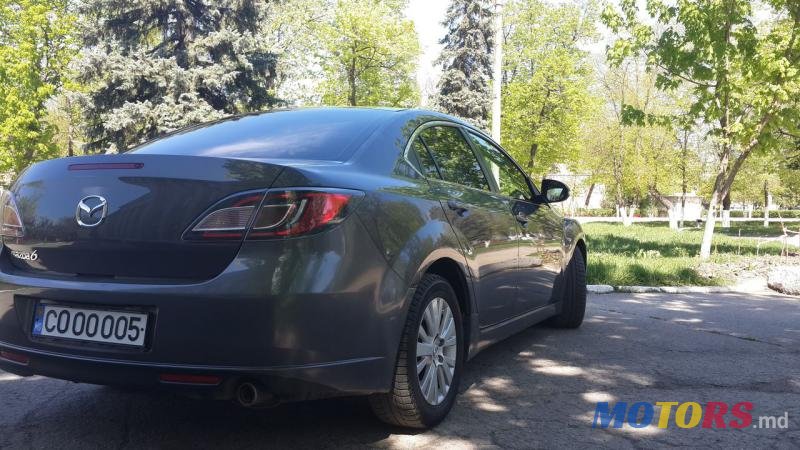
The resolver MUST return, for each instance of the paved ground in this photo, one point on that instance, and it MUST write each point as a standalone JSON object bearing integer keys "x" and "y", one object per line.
{"x": 537, "y": 389}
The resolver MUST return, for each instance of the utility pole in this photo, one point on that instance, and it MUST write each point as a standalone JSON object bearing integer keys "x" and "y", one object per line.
{"x": 497, "y": 69}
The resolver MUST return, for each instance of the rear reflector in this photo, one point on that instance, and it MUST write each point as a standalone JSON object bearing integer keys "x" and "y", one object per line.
{"x": 105, "y": 166}
{"x": 208, "y": 380}
{"x": 14, "y": 357}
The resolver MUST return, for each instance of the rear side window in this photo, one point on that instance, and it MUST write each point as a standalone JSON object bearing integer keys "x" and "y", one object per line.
{"x": 509, "y": 179}
{"x": 426, "y": 164}
{"x": 453, "y": 156}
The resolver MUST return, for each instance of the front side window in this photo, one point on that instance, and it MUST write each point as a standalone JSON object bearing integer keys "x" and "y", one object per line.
{"x": 454, "y": 157}
{"x": 509, "y": 179}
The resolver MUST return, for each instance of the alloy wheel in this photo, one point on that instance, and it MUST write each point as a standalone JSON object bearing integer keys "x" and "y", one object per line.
{"x": 437, "y": 347}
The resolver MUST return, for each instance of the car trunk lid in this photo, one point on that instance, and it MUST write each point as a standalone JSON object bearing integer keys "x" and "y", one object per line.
{"x": 151, "y": 200}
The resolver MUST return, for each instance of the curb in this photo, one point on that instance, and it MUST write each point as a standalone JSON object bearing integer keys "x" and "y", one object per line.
{"x": 608, "y": 289}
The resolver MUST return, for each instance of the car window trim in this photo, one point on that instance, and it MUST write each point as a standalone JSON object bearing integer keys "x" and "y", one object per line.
{"x": 533, "y": 189}
{"x": 430, "y": 155}
{"x": 458, "y": 127}
{"x": 481, "y": 161}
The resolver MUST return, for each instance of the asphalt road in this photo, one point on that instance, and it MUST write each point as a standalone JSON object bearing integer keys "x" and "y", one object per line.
{"x": 537, "y": 389}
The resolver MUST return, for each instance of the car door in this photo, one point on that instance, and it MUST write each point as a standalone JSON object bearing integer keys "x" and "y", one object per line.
{"x": 541, "y": 230}
{"x": 481, "y": 218}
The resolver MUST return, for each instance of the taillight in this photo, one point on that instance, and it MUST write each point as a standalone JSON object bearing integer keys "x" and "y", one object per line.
{"x": 291, "y": 213}
{"x": 273, "y": 215}
{"x": 12, "y": 221}
{"x": 227, "y": 220}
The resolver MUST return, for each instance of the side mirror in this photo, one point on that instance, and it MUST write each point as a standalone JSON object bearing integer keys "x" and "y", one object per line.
{"x": 554, "y": 191}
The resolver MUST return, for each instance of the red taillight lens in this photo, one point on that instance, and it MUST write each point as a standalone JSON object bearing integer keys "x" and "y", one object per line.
{"x": 12, "y": 221}
{"x": 292, "y": 213}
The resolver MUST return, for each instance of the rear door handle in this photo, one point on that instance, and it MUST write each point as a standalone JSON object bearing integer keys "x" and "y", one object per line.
{"x": 457, "y": 206}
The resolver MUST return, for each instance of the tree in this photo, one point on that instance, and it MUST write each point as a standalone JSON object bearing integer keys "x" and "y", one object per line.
{"x": 370, "y": 55}
{"x": 294, "y": 31}
{"x": 36, "y": 44}
{"x": 743, "y": 74}
{"x": 547, "y": 78}
{"x": 637, "y": 160}
{"x": 153, "y": 66}
{"x": 466, "y": 61}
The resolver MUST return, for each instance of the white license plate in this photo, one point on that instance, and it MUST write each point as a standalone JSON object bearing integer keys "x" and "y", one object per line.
{"x": 91, "y": 325}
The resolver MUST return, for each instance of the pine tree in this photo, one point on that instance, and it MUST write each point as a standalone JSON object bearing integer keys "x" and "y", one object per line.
{"x": 153, "y": 66}
{"x": 463, "y": 89}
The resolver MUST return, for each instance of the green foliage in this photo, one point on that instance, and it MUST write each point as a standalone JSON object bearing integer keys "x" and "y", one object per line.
{"x": 153, "y": 66}
{"x": 654, "y": 255}
{"x": 466, "y": 61}
{"x": 547, "y": 78}
{"x": 637, "y": 159}
{"x": 35, "y": 47}
{"x": 293, "y": 31}
{"x": 370, "y": 55}
{"x": 743, "y": 74}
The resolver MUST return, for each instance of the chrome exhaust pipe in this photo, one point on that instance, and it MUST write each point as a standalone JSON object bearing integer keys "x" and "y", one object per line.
{"x": 251, "y": 395}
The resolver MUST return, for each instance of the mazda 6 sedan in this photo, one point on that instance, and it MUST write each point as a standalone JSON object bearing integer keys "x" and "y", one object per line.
{"x": 286, "y": 256}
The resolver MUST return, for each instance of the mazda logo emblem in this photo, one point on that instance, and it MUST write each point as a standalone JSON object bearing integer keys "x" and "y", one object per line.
{"x": 91, "y": 211}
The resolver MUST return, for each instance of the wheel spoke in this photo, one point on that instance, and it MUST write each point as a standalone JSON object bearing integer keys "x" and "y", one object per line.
{"x": 423, "y": 335}
{"x": 430, "y": 322}
{"x": 441, "y": 380}
{"x": 422, "y": 363}
{"x": 450, "y": 341}
{"x": 450, "y": 360}
{"x": 428, "y": 381}
{"x": 436, "y": 312}
{"x": 449, "y": 328}
{"x": 448, "y": 374}
{"x": 424, "y": 349}
{"x": 447, "y": 320}
{"x": 434, "y": 386}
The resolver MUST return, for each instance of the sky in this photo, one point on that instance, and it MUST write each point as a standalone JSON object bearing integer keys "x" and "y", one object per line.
{"x": 427, "y": 16}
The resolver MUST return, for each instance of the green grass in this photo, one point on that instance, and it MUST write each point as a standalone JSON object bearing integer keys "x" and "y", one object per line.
{"x": 653, "y": 255}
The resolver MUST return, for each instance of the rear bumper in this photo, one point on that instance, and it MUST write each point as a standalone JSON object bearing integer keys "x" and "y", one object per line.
{"x": 286, "y": 383}
{"x": 306, "y": 319}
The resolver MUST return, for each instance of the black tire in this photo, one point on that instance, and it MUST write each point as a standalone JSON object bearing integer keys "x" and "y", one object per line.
{"x": 405, "y": 404}
{"x": 573, "y": 301}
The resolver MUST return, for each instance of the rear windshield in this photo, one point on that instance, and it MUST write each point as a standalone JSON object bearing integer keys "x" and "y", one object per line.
{"x": 318, "y": 134}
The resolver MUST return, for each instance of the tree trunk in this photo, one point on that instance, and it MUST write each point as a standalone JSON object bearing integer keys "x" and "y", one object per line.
{"x": 351, "y": 83}
{"x": 534, "y": 149}
{"x": 767, "y": 203}
{"x": 684, "y": 177}
{"x": 588, "y": 196}
{"x": 708, "y": 232}
{"x": 726, "y": 211}
{"x": 627, "y": 215}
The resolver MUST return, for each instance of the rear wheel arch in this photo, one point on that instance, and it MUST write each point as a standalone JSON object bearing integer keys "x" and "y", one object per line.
{"x": 451, "y": 271}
